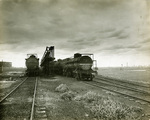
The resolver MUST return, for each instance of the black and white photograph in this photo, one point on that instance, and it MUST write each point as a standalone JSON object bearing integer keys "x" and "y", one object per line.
{"x": 74, "y": 60}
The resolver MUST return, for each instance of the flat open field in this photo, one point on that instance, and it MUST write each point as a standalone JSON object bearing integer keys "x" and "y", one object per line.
{"x": 131, "y": 74}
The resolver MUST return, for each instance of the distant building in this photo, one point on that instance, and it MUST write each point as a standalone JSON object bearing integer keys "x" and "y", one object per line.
{"x": 4, "y": 64}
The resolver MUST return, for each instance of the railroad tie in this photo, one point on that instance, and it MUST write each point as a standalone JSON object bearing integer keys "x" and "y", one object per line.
{"x": 41, "y": 113}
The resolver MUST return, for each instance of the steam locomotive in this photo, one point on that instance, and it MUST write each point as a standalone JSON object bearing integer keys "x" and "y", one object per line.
{"x": 32, "y": 64}
{"x": 79, "y": 67}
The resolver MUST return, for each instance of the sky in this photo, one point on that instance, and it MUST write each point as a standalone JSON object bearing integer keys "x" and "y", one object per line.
{"x": 115, "y": 31}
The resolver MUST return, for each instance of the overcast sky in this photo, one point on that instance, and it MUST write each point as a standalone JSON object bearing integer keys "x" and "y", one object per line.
{"x": 115, "y": 31}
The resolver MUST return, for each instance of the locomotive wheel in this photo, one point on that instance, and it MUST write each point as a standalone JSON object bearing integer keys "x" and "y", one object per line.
{"x": 80, "y": 76}
{"x": 77, "y": 76}
{"x": 91, "y": 78}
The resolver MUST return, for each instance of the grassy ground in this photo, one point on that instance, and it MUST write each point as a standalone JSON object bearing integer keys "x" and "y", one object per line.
{"x": 69, "y": 99}
{"x": 73, "y": 100}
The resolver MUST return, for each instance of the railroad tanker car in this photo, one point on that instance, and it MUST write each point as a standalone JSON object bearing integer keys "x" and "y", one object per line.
{"x": 32, "y": 64}
{"x": 80, "y": 67}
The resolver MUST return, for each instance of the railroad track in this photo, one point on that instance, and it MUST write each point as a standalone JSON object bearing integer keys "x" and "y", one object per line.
{"x": 6, "y": 96}
{"x": 123, "y": 88}
{"x": 20, "y": 102}
{"x": 124, "y": 85}
{"x": 130, "y": 83}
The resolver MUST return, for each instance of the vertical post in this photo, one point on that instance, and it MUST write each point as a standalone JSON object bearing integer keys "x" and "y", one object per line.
{"x": 93, "y": 56}
{"x": 121, "y": 67}
{"x": 95, "y": 63}
{"x": 53, "y": 52}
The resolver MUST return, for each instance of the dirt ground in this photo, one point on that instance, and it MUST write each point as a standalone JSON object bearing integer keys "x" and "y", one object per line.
{"x": 62, "y": 98}
{"x": 68, "y": 99}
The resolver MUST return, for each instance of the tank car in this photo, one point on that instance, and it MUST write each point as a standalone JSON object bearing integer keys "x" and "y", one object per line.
{"x": 80, "y": 67}
{"x": 32, "y": 64}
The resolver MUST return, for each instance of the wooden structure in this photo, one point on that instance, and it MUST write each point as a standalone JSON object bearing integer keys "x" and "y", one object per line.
{"x": 46, "y": 60}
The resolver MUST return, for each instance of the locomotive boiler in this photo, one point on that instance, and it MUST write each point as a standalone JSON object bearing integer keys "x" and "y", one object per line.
{"x": 80, "y": 67}
{"x": 32, "y": 64}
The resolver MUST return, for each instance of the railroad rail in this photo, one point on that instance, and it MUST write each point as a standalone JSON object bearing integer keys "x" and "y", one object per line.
{"x": 22, "y": 96}
{"x": 121, "y": 88}
{"x": 122, "y": 85}
{"x": 33, "y": 100}
{"x": 7, "y": 95}
{"x": 115, "y": 80}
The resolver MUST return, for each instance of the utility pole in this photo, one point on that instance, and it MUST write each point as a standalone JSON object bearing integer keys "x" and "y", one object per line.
{"x": 121, "y": 68}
